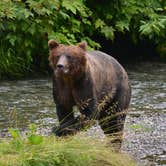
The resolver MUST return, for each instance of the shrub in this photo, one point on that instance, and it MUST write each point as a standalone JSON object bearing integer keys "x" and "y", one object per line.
{"x": 26, "y": 26}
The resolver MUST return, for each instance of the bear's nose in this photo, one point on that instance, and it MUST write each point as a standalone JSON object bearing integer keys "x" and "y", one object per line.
{"x": 59, "y": 66}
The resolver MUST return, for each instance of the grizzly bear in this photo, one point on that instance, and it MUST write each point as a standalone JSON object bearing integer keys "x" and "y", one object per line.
{"x": 91, "y": 80}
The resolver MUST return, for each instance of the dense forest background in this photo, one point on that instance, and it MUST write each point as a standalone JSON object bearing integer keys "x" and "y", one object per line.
{"x": 124, "y": 28}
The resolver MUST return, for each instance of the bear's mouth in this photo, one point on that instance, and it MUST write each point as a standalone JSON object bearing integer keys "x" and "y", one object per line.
{"x": 63, "y": 71}
{"x": 66, "y": 71}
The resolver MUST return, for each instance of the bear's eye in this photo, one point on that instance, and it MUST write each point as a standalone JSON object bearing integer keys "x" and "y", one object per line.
{"x": 68, "y": 57}
{"x": 57, "y": 56}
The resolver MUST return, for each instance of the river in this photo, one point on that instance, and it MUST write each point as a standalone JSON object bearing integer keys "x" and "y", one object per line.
{"x": 30, "y": 101}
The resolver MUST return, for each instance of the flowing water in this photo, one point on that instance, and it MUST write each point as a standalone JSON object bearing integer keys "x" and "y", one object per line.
{"x": 30, "y": 101}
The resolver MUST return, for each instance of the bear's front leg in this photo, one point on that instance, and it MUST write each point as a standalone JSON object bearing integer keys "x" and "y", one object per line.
{"x": 66, "y": 120}
{"x": 68, "y": 123}
{"x": 85, "y": 98}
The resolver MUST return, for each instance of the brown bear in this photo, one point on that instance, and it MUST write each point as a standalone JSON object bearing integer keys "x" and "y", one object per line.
{"x": 91, "y": 80}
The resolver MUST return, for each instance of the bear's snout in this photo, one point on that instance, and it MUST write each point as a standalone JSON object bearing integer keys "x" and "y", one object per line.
{"x": 62, "y": 69}
{"x": 60, "y": 66}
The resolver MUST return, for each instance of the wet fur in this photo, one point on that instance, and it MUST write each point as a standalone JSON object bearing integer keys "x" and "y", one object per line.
{"x": 97, "y": 84}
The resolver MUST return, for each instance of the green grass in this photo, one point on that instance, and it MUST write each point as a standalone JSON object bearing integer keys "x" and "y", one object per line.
{"x": 35, "y": 150}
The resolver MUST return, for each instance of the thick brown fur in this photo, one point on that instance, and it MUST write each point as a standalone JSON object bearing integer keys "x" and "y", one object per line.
{"x": 94, "y": 82}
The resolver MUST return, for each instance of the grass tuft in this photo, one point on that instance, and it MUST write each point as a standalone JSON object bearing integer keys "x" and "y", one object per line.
{"x": 53, "y": 151}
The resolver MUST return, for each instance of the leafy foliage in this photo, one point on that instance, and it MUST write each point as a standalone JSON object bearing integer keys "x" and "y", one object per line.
{"x": 26, "y": 26}
{"x": 143, "y": 19}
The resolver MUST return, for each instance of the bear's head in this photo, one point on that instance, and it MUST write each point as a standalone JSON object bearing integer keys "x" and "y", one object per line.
{"x": 67, "y": 61}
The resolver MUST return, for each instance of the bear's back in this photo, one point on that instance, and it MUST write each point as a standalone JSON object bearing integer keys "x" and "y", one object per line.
{"x": 106, "y": 73}
{"x": 104, "y": 59}
{"x": 105, "y": 63}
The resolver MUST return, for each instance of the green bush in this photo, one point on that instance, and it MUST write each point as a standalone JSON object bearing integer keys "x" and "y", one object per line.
{"x": 26, "y": 26}
{"x": 142, "y": 19}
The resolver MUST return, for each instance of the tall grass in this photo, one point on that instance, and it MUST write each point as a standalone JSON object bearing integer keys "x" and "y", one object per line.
{"x": 35, "y": 150}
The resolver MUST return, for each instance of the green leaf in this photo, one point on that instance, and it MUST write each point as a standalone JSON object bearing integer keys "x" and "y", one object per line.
{"x": 64, "y": 15}
{"x": 92, "y": 44}
{"x": 35, "y": 139}
{"x": 99, "y": 23}
{"x": 27, "y": 13}
{"x": 136, "y": 126}
{"x": 32, "y": 128}
{"x": 108, "y": 32}
{"x": 86, "y": 21}
{"x": 32, "y": 29}
{"x": 122, "y": 26}
{"x": 67, "y": 4}
{"x": 12, "y": 40}
{"x": 145, "y": 29}
{"x": 156, "y": 29}
{"x": 109, "y": 17}
{"x": 14, "y": 133}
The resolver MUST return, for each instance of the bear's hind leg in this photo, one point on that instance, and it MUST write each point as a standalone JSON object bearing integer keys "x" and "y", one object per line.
{"x": 112, "y": 123}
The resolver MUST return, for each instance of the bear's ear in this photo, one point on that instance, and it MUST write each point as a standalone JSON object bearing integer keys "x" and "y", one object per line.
{"x": 82, "y": 45}
{"x": 52, "y": 44}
